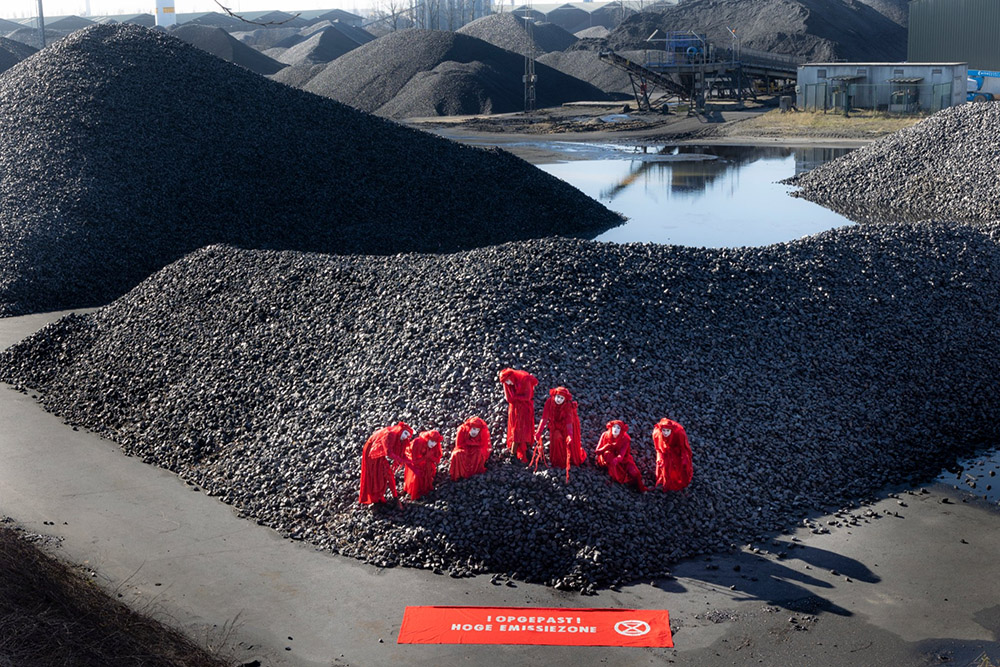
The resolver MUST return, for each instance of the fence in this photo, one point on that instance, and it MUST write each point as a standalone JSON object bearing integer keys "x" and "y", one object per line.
{"x": 838, "y": 96}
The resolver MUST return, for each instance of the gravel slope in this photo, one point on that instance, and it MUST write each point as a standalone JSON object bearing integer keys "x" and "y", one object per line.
{"x": 417, "y": 72}
{"x": 805, "y": 374}
{"x": 943, "y": 167}
{"x": 321, "y": 47}
{"x": 221, "y": 44}
{"x": 816, "y": 30}
{"x": 161, "y": 148}
{"x": 509, "y": 32}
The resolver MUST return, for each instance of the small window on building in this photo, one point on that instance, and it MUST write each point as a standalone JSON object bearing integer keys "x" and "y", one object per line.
{"x": 821, "y": 74}
{"x": 897, "y": 72}
{"x": 936, "y": 70}
{"x": 862, "y": 71}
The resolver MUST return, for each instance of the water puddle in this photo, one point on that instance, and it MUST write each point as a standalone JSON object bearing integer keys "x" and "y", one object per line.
{"x": 978, "y": 475}
{"x": 702, "y": 196}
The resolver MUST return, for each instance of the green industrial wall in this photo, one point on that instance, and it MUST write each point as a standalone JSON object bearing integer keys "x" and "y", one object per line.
{"x": 955, "y": 31}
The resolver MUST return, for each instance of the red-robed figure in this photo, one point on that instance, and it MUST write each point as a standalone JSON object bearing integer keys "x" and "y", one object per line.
{"x": 561, "y": 417}
{"x": 673, "y": 455}
{"x": 386, "y": 446}
{"x": 519, "y": 390}
{"x": 614, "y": 452}
{"x": 472, "y": 448}
{"x": 422, "y": 457}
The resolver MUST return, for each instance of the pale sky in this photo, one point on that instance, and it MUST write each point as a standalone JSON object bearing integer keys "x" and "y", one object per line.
{"x": 28, "y": 8}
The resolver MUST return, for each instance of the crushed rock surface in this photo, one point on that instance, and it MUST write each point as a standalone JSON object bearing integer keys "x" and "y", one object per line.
{"x": 942, "y": 167}
{"x": 510, "y": 32}
{"x": 806, "y": 374}
{"x": 815, "y": 30}
{"x": 221, "y": 44}
{"x": 123, "y": 149}
{"x": 410, "y": 73}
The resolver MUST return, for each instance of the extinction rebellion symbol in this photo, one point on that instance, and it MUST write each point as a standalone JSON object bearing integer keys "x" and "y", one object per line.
{"x": 632, "y": 628}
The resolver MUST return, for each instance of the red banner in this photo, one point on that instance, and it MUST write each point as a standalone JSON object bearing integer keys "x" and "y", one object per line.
{"x": 536, "y": 625}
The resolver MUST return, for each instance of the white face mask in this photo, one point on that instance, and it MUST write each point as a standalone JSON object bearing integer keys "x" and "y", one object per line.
{"x": 474, "y": 432}
{"x": 405, "y": 435}
{"x": 616, "y": 430}
{"x": 666, "y": 432}
{"x": 560, "y": 399}
{"x": 431, "y": 443}
{"x": 509, "y": 382}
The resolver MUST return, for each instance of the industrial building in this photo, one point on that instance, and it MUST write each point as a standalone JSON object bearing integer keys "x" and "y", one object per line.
{"x": 955, "y": 30}
{"x": 893, "y": 87}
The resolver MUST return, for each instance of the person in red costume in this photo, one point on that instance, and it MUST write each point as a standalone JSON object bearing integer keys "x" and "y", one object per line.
{"x": 561, "y": 417}
{"x": 614, "y": 452}
{"x": 386, "y": 444}
{"x": 673, "y": 455}
{"x": 519, "y": 390}
{"x": 472, "y": 448}
{"x": 422, "y": 457}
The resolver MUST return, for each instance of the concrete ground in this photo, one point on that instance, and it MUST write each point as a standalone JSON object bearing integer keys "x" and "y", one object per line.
{"x": 920, "y": 585}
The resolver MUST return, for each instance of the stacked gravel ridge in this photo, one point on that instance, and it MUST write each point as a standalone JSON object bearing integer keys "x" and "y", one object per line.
{"x": 510, "y": 32}
{"x": 814, "y": 30}
{"x": 320, "y": 48}
{"x": 160, "y": 149}
{"x": 943, "y": 167}
{"x": 13, "y": 52}
{"x": 221, "y": 44}
{"x": 807, "y": 374}
{"x": 411, "y": 73}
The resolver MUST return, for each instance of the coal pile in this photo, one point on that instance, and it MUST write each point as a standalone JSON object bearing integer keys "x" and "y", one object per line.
{"x": 432, "y": 73}
{"x": 265, "y": 38}
{"x": 594, "y": 32}
{"x": 814, "y": 30}
{"x": 806, "y": 374}
{"x": 30, "y": 37}
{"x": 943, "y": 167}
{"x": 163, "y": 148}
{"x": 587, "y": 66}
{"x": 321, "y": 47}
{"x": 221, "y": 44}
{"x": 16, "y": 49}
{"x": 510, "y": 32}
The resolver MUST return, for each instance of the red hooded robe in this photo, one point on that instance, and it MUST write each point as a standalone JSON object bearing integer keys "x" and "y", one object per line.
{"x": 520, "y": 395}
{"x": 615, "y": 454}
{"x": 674, "y": 468}
{"x": 422, "y": 457}
{"x": 563, "y": 422}
{"x": 376, "y": 470}
{"x": 470, "y": 454}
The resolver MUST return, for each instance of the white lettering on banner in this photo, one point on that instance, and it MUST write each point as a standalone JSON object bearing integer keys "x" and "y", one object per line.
{"x": 576, "y": 629}
{"x": 469, "y": 627}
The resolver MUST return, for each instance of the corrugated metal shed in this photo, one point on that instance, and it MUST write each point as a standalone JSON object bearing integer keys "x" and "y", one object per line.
{"x": 955, "y": 30}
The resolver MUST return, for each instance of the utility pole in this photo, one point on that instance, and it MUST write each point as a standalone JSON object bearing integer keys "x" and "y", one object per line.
{"x": 529, "y": 63}
{"x": 41, "y": 23}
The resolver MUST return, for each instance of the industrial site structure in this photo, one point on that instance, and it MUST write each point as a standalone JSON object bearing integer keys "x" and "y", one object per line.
{"x": 890, "y": 87}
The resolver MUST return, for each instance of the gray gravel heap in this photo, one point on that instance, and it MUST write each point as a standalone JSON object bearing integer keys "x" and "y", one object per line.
{"x": 221, "y": 44}
{"x": 943, "y": 167}
{"x": 816, "y": 30}
{"x": 411, "y": 73}
{"x": 29, "y": 37}
{"x": 321, "y": 47}
{"x": 510, "y": 32}
{"x": 588, "y": 66}
{"x": 265, "y": 38}
{"x": 15, "y": 50}
{"x": 594, "y": 32}
{"x": 158, "y": 149}
{"x": 806, "y": 374}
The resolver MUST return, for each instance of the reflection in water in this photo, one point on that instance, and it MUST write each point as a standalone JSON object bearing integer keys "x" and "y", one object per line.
{"x": 714, "y": 196}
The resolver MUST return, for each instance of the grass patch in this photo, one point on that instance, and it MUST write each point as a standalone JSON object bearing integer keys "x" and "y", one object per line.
{"x": 51, "y": 616}
{"x": 810, "y": 123}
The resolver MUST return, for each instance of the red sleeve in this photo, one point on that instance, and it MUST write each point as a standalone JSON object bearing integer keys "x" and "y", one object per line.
{"x": 604, "y": 443}
{"x": 625, "y": 449}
